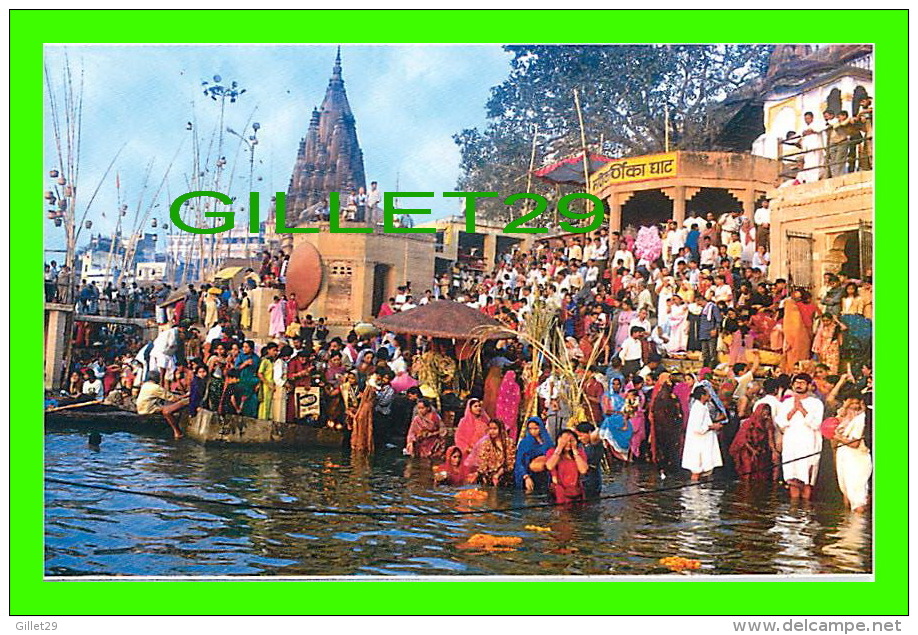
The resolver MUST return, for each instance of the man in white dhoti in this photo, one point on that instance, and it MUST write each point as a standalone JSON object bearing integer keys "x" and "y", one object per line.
{"x": 701, "y": 451}
{"x": 853, "y": 464}
{"x": 811, "y": 142}
{"x": 799, "y": 418}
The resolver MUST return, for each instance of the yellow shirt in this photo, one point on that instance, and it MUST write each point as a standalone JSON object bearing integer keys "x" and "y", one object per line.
{"x": 150, "y": 396}
{"x": 735, "y": 249}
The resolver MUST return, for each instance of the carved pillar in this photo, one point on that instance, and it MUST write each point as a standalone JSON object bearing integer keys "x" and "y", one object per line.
{"x": 746, "y": 197}
{"x": 615, "y": 212}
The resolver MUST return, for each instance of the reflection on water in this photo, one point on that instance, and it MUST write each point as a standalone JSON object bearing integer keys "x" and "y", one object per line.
{"x": 730, "y": 527}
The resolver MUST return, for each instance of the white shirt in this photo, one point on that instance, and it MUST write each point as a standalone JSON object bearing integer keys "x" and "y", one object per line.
{"x": 215, "y": 333}
{"x": 93, "y": 388}
{"x": 708, "y": 256}
{"x": 631, "y": 350}
{"x": 280, "y": 372}
{"x": 762, "y": 216}
{"x": 626, "y": 257}
{"x": 600, "y": 252}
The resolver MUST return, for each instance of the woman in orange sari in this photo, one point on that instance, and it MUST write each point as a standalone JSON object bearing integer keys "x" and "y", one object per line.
{"x": 797, "y": 339}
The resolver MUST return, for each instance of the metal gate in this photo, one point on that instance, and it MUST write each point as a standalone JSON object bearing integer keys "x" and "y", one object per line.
{"x": 800, "y": 259}
{"x": 865, "y": 241}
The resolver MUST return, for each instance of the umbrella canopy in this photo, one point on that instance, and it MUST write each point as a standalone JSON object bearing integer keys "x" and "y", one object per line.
{"x": 570, "y": 169}
{"x": 442, "y": 318}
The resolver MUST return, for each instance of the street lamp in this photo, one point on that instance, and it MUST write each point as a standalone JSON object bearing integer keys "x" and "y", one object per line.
{"x": 217, "y": 90}
{"x": 250, "y": 144}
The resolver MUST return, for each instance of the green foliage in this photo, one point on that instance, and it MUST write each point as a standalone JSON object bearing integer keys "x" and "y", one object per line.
{"x": 625, "y": 92}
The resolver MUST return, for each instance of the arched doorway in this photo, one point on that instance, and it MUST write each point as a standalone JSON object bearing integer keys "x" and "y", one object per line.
{"x": 647, "y": 207}
{"x": 713, "y": 199}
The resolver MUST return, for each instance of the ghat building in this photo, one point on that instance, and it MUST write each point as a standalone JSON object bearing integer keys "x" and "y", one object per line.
{"x": 821, "y": 222}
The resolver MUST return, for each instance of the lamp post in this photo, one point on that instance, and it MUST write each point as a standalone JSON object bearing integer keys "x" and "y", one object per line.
{"x": 219, "y": 91}
{"x": 250, "y": 144}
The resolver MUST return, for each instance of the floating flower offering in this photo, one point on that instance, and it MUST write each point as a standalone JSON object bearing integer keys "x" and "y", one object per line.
{"x": 537, "y": 528}
{"x": 487, "y": 542}
{"x": 471, "y": 494}
{"x": 678, "y": 563}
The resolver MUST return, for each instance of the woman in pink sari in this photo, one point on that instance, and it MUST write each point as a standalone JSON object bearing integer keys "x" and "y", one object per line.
{"x": 635, "y": 413}
{"x": 425, "y": 436}
{"x": 623, "y": 323}
{"x": 472, "y": 426}
{"x": 508, "y": 404}
{"x": 277, "y": 311}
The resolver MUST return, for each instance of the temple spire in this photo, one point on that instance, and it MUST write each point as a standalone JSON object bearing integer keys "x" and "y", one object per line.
{"x": 336, "y": 71}
{"x": 329, "y": 157}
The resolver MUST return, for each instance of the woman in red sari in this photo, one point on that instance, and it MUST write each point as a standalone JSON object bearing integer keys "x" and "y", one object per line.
{"x": 753, "y": 445}
{"x": 566, "y": 462}
{"x": 806, "y": 307}
{"x": 454, "y": 471}
{"x": 425, "y": 436}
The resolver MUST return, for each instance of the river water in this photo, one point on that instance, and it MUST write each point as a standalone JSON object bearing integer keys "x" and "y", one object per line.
{"x": 730, "y": 527}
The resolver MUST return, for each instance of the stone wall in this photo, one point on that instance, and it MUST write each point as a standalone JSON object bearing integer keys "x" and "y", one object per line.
{"x": 824, "y": 209}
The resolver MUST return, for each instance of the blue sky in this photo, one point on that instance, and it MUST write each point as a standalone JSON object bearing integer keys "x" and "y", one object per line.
{"x": 408, "y": 101}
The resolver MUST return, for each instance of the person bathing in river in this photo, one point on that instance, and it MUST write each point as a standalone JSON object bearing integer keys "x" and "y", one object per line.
{"x": 425, "y": 436}
{"x": 567, "y": 462}
{"x": 701, "y": 451}
{"x": 588, "y": 436}
{"x": 493, "y": 457}
{"x": 454, "y": 471}
{"x": 529, "y": 470}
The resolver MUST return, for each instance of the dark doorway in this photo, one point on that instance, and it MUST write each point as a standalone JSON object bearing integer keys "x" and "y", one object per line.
{"x": 713, "y": 199}
{"x": 646, "y": 208}
{"x": 380, "y": 274}
{"x": 852, "y": 265}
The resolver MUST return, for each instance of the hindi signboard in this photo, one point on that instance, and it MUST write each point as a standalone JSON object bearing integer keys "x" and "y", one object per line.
{"x": 307, "y": 402}
{"x": 651, "y": 166}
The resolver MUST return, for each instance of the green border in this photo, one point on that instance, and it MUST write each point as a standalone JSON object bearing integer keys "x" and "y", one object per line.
{"x": 30, "y": 595}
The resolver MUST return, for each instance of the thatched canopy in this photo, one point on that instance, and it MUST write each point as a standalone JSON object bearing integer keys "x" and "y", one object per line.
{"x": 444, "y": 318}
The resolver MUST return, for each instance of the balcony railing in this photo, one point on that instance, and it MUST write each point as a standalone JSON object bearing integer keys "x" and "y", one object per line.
{"x": 826, "y": 161}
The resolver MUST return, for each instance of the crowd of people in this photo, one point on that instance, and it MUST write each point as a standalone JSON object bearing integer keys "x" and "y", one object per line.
{"x": 639, "y": 311}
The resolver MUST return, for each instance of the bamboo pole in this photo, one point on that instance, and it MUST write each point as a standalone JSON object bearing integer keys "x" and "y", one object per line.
{"x": 583, "y": 145}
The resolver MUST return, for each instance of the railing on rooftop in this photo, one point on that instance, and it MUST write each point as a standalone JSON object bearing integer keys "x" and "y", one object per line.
{"x": 826, "y": 161}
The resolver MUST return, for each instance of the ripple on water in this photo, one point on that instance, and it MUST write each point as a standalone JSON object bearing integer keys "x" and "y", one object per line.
{"x": 729, "y": 527}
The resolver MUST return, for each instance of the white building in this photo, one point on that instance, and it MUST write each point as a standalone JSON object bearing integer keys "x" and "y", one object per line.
{"x": 834, "y": 77}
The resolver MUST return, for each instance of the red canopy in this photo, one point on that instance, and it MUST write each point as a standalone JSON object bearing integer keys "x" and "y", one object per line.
{"x": 570, "y": 169}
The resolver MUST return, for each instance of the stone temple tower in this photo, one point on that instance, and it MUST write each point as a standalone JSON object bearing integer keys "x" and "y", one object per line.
{"x": 329, "y": 157}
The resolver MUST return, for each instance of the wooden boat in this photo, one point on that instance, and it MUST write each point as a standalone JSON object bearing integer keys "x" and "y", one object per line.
{"x": 210, "y": 428}
{"x": 207, "y": 428}
{"x": 95, "y": 416}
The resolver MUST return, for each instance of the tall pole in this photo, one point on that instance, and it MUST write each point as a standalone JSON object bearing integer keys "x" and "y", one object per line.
{"x": 535, "y": 136}
{"x": 666, "y": 128}
{"x": 583, "y": 144}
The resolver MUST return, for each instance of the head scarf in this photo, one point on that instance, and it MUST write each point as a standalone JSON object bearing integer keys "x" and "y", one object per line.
{"x": 530, "y": 448}
{"x": 455, "y": 475}
{"x": 471, "y": 428}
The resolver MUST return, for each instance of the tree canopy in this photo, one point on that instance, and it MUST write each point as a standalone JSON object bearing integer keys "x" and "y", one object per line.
{"x": 625, "y": 92}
